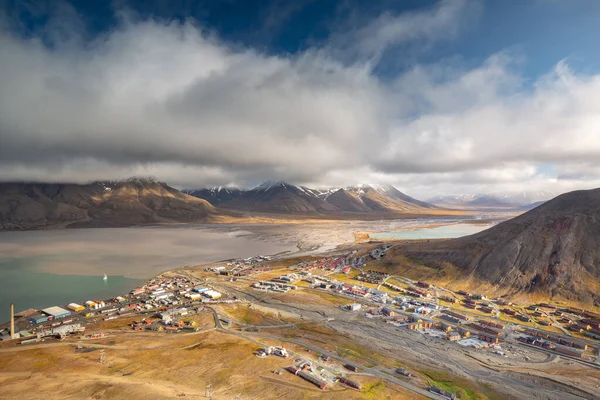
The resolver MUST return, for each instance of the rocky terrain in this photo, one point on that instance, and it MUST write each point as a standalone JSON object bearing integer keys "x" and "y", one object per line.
{"x": 123, "y": 203}
{"x": 285, "y": 198}
{"x": 552, "y": 249}
{"x": 217, "y": 195}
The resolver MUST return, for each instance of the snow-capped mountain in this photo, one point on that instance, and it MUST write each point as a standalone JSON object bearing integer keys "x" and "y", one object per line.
{"x": 283, "y": 197}
{"x": 521, "y": 199}
{"x": 216, "y": 195}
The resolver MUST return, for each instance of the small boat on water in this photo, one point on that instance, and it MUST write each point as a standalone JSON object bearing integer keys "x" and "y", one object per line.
{"x": 105, "y": 277}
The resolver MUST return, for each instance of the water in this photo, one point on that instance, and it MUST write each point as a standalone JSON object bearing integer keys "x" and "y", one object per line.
{"x": 439, "y": 232}
{"x": 27, "y": 287}
{"x": 45, "y": 268}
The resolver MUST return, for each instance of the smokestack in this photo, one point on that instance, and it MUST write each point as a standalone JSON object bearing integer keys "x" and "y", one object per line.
{"x": 12, "y": 321}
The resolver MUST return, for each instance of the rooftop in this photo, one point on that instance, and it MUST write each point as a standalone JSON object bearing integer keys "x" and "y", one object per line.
{"x": 54, "y": 311}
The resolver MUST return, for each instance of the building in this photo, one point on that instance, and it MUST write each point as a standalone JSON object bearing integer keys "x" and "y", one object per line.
{"x": 488, "y": 338}
{"x": 320, "y": 383}
{"x": 569, "y": 351}
{"x": 212, "y": 294}
{"x": 351, "y": 383}
{"x": 443, "y": 393}
{"x": 450, "y": 319}
{"x": 388, "y": 311}
{"x": 354, "y": 307}
{"x": 453, "y": 336}
{"x": 76, "y": 307}
{"x": 56, "y": 312}
{"x": 351, "y": 367}
{"x": 427, "y": 323}
{"x": 38, "y": 318}
{"x": 465, "y": 333}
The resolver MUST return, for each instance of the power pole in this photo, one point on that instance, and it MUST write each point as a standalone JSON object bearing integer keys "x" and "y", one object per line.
{"x": 102, "y": 357}
{"x": 208, "y": 392}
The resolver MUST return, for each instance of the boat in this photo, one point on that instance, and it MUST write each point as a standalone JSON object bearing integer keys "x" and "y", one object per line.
{"x": 105, "y": 277}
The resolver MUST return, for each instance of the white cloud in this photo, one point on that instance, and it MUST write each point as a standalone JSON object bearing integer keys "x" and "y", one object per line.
{"x": 169, "y": 100}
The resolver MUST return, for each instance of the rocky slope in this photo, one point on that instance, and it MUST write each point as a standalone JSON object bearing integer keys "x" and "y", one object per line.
{"x": 280, "y": 198}
{"x": 124, "y": 203}
{"x": 284, "y": 198}
{"x": 552, "y": 249}
{"x": 215, "y": 196}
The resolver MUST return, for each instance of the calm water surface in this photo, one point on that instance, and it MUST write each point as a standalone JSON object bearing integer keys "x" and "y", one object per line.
{"x": 56, "y": 267}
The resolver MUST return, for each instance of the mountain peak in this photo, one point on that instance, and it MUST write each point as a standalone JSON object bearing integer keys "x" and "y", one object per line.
{"x": 272, "y": 184}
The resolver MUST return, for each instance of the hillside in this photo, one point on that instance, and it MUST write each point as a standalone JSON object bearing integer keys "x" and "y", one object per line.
{"x": 280, "y": 198}
{"x": 284, "y": 198}
{"x": 375, "y": 198}
{"x": 215, "y": 196}
{"x": 124, "y": 203}
{"x": 552, "y": 250}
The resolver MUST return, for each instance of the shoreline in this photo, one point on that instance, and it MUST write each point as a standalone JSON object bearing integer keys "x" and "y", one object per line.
{"x": 293, "y": 241}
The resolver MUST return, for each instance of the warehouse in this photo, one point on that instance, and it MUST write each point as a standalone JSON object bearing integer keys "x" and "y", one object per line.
{"x": 453, "y": 336}
{"x": 350, "y": 383}
{"x": 76, "y": 307}
{"x": 569, "y": 351}
{"x": 56, "y": 312}
{"x": 38, "y": 318}
{"x": 161, "y": 296}
{"x": 91, "y": 304}
{"x": 213, "y": 294}
{"x": 193, "y": 296}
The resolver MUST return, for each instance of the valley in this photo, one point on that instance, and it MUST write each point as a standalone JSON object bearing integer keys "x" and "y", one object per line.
{"x": 219, "y": 319}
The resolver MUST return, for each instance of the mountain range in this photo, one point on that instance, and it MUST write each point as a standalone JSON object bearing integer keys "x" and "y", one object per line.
{"x": 124, "y": 203}
{"x": 141, "y": 201}
{"x": 552, "y": 249}
{"x": 284, "y": 198}
{"x": 525, "y": 200}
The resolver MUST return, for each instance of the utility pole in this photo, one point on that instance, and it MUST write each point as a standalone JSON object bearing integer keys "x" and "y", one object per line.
{"x": 208, "y": 391}
{"x": 102, "y": 357}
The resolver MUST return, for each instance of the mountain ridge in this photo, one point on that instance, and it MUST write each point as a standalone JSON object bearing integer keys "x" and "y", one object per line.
{"x": 551, "y": 249}
{"x": 30, "y": 205}
{"x": 283, "y": 197}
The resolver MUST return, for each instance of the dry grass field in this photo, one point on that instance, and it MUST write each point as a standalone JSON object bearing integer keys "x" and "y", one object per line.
{"x": 163, "y": 366}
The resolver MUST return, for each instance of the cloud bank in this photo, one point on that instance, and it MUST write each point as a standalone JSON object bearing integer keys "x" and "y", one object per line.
{"x": 174, "y": 101}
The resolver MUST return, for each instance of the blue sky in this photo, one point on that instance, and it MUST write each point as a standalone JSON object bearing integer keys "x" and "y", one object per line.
{"x": 436, "y": 97}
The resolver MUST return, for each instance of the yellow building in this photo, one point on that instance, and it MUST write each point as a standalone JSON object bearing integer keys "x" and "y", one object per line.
{"x": 76, "y": 307}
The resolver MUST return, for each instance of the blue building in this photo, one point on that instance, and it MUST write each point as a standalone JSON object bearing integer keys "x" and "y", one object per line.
{"x": 38, "y": 318}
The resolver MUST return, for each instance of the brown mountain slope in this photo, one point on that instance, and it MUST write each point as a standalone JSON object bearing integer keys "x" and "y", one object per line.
{"x": 376, "y": 199}
{"x": 551, "y": 250}
{"x": 283, "y": 198}
{"x": 347, "y": 201}
{"x": 131, "y": 202}
{"x": 279, "y": 198}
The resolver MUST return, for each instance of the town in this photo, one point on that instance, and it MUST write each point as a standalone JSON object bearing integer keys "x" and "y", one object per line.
{"x": 365, "y": 294}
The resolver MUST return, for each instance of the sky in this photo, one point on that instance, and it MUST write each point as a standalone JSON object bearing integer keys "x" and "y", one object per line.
{"x": 434, "y": 97}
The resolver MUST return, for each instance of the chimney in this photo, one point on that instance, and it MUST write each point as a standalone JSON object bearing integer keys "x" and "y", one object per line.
{"x": 12, "y": 321}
